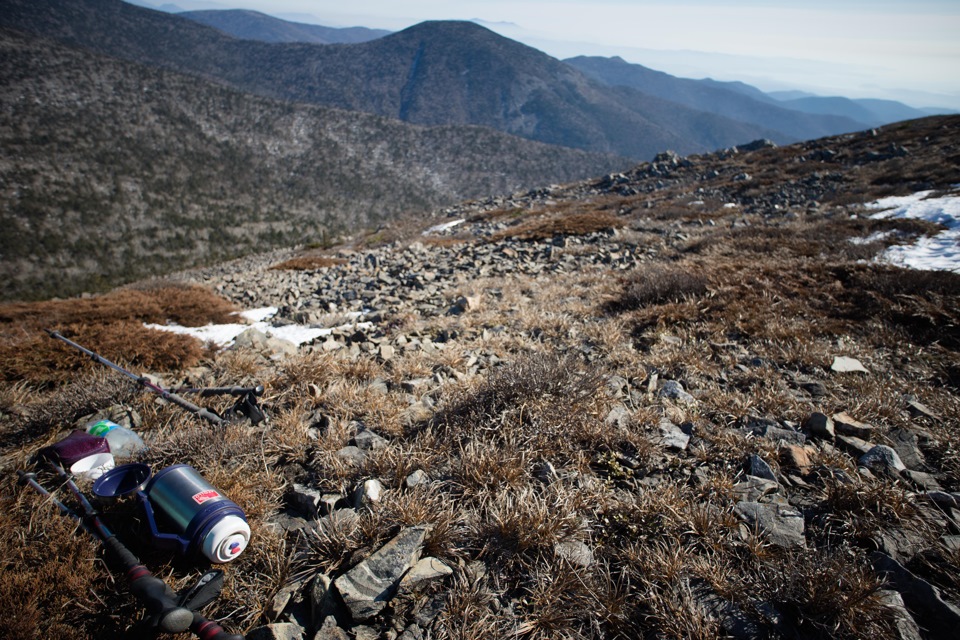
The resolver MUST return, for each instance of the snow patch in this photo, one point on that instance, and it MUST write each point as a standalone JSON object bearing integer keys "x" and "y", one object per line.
{"x": 878, "y": 236}
{"x": 440, "y": 228}
{"x": 223, "y": 335}
{"x": 942, "y": 251}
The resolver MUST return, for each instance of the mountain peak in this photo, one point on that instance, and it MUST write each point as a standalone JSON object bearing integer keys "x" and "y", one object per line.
{"x": 439, "y": 29}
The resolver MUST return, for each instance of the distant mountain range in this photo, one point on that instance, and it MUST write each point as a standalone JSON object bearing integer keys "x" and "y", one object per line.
{"x": 779, "y": 112}
{"x": 253, "y": 25}
{"x": 715, "y": 98}
{"x": 432, "y": 73}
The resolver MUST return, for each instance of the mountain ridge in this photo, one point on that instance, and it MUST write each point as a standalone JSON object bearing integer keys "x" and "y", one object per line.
{"x": 254, "y": 25}
{"x": 722, "y": 100}
{"x": 115, "y": 171}
{"x": 549, "y": 101}
{"x": 862, "y": 112}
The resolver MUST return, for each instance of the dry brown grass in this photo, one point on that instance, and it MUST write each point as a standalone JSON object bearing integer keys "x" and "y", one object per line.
{"x": 520, "y": 458}
{"x": 111, "y": 325}
{"x": 660, "y": 284}
{"x": 862, "y": 509}
{"x": 544, "y": 227}
{"x": 34, "y": 582}
{"x": 40, "y": 420}
{"x": 540, "y": 403}
{"x": 444, "y": 241}
{"x": 187, "y": 305}
{"x": 308, "y": 263}
{"x": 823, "y": 594}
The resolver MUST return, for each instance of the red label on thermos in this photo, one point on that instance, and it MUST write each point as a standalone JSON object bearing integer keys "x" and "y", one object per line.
{"x": 203, "y": 496}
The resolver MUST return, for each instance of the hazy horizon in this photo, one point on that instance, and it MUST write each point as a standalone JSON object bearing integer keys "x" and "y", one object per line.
{"x": 884, "y": 49}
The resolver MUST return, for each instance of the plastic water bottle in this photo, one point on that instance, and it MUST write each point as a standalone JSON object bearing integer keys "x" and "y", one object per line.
{"x": 122, "y": 441}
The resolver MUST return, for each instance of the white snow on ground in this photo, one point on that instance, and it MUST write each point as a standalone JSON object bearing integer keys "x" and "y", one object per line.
{"x": 941, "y": 252}
{"x": 224, "y": 334}
{"x": 440, "y": 228}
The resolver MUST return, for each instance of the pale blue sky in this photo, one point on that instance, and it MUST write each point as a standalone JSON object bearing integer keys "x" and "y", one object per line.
{"x": 906, "y": 50}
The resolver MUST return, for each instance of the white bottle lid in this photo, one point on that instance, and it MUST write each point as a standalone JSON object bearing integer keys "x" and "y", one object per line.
{"x": 227, "y": 539}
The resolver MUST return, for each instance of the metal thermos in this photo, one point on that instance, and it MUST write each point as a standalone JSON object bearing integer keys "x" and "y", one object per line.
{"x": 204, "y": 518}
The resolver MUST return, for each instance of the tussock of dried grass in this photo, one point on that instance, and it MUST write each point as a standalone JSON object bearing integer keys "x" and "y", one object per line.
{"x": 860, "y": 509}
{"x": 545, "y": 227}
{"x": 827, "y": 594}
{"x": 539, "y": 402}
{"x": 111, "y": 325}
{"x": 35, "y": 583}
{"x": 659, "y": 285}
{"x": 308, "y": 263}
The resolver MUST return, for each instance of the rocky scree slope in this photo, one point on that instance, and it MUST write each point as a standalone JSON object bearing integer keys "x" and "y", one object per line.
{"x": 113, "y": 171}
{"x": 674, "y": 400}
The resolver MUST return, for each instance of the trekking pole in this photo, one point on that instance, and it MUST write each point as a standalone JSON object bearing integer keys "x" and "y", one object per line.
{"x": 31, "y": 480}
{"x": 205, "y": 392}
{"x": 246, "y": 404}
{"x": 154, "y": 594}
{"x": 145, "y": 382}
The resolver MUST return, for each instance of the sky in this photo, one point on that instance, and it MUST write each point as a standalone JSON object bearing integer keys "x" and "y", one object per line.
{"x": 907, "y": 50}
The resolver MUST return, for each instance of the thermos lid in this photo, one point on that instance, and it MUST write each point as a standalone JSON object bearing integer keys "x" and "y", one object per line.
{"x": 227, "y": 539}
{"x": 121, "y": 481}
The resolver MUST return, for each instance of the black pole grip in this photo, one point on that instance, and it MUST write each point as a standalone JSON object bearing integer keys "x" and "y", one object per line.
{"x": 152, "y": 592}
{"x": 206, "y": 392}
{"x": 210, "y": 630}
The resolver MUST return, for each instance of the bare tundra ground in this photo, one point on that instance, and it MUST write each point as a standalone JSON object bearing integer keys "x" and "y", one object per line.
{"x": 613, "y": 409}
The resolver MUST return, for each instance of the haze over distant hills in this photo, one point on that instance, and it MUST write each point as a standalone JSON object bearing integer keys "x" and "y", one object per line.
{"x": 432, "y": 73}
{"x": 617, "y": 72}
{"x": 253, "y": 25}
{"x": 714, "y": 98}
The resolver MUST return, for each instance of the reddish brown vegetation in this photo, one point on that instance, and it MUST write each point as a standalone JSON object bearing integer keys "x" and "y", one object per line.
{"x": 308, "y": 263}
{"x": 111, "y": 325}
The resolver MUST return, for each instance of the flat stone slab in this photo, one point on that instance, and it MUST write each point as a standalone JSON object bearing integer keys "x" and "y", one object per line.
{"x": 426, "y": 569}
{"x": 882, "y": 457}
{"x": 368, "y": 587}
{"x": 752, "y": 488}
{"x": 849, "y": 426}
{"x": 782, "y": 524}
{"x": 672, "y": 436}
{"x": 941, "y": 618}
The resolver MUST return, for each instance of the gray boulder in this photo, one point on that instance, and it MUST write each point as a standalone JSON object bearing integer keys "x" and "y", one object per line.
{"x": 882, "y": 458}
{"x": 277, "y": 631}
{"x": 939, "y": 617}
{"x": 368, "y": 587}
{"x": 782, "y": 524}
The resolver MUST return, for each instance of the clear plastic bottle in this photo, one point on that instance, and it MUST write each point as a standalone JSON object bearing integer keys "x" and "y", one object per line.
{"x": 122, "y": 441}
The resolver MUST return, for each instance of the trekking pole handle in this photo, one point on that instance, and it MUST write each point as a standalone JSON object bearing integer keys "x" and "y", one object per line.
{"x": 158, "y": 598}
{"x": 152, "y": 592}
{"x": 210, "y": 630}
